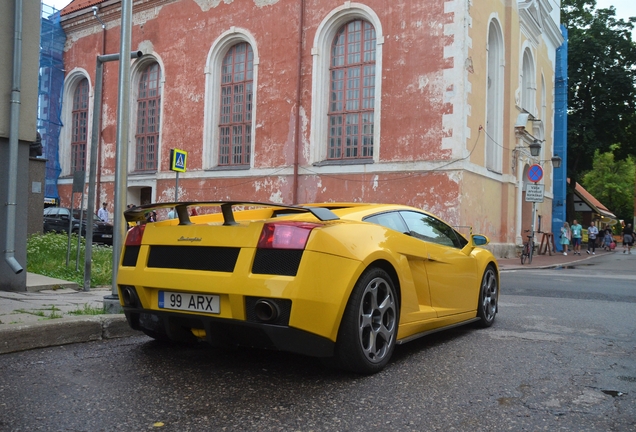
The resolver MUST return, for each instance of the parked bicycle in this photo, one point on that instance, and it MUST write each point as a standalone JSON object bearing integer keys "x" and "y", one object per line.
{"x": 528, "y": 249}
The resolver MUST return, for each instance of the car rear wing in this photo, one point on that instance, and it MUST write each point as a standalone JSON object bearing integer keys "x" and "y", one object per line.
{"x": 138, "y": 214}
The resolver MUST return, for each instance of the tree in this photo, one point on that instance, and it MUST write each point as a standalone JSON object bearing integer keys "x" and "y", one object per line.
{"x": 602, "y": 85}
{"x": 612, "y": 182}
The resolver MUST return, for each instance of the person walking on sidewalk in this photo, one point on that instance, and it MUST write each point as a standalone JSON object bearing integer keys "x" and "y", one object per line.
{"x": 577, "y": 232}
{"x": 628, "y": 238}
{"x": 565, "y": 237}
{"x": 592, "y": 232}
{"x": 607, "y": 239}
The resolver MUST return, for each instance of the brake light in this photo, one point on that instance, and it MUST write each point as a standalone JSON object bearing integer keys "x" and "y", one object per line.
{"x": 285, "y": 235}
{"x": 135, "y": 234}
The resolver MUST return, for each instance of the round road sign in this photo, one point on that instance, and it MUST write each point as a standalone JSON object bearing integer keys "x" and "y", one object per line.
{"x": 535, "y": 173}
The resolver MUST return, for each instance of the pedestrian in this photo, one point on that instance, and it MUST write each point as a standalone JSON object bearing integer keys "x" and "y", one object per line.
{"x": 172, "y": 214}
{"x": 565, "y": 237}
{"x": 194, "y": 212}
{"x": 151, "y": 216}
{"x": 628, "y": 238}
{"x": 592, "y": 232}
{"x": 577, "y": 232}
{"x": 608, "y": 239}
{"x": 102, "y": 213}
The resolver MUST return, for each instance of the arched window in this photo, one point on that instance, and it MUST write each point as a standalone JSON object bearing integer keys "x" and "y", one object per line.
{"x": 235, "y": 121}
{"x": 494, "y": 98}
{"x": 528, "y": 83}
{"x": 352, "y": 91}
{"x": 79, "y": 125}
{"x": 148, "y": 118}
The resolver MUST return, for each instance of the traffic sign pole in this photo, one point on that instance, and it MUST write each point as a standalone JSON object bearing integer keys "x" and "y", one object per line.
{"x": 176, "y": 188}
{"x": 178, "y": 160}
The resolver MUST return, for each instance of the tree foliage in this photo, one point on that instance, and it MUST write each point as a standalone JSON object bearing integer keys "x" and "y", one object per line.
{"x": 602, "y": 83}
{"x": 612, "y": 183}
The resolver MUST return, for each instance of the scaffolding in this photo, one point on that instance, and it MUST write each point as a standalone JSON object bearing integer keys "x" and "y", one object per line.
{"x": 50, "y": 93}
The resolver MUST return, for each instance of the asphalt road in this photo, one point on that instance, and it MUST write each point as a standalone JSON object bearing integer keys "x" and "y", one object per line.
{"x": 561, "y": 356}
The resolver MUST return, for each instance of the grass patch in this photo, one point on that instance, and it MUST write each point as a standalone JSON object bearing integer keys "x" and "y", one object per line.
{"x": 88, "y": 310}
{"x": 46, "y": 255}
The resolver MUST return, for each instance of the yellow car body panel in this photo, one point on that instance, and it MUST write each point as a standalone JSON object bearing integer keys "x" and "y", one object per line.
{"x": 438, "y": 286}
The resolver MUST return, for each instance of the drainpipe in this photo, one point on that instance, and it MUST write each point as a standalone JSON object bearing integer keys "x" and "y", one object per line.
{"x": 298, "y": 138}
{"x": 14, "y": 131}
{"x": 99, "y": 125}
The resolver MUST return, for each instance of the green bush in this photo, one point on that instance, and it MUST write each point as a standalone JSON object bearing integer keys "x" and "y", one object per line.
{"x": 46, "y": 255}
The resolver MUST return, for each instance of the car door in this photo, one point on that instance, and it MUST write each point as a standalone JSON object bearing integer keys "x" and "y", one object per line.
{"x": 416, "y": 303}
{"x": 47, "y": 219}
{"x": 451, "y": 273}
{"x": 55, "y": 220}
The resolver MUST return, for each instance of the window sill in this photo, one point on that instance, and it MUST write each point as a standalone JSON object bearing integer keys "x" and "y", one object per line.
{"x": 229, "y": 168}
{"x": 140, "y": 173}
{"x": 337, "y": 162}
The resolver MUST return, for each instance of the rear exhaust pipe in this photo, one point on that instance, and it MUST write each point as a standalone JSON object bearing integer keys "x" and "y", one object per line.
{"x": 266, "y": 310}
{"x": 129, "y": 296}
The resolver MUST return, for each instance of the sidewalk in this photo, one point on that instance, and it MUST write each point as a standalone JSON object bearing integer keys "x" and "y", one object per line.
{"x": 547, "y": 261}
{"x": 40, "y": 317}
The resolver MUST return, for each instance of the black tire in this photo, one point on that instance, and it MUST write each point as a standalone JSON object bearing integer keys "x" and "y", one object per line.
{"x": 368, "y": 329}
{"x": 488, "y": 298}
{"x": 523, "y": 255}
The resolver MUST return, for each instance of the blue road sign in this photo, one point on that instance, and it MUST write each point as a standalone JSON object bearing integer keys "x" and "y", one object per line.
{"x": 178, "y": 160}
{"x": 535, "y": 173}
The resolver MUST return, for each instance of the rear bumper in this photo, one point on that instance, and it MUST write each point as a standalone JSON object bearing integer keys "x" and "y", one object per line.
{"x": 222, "y": 332}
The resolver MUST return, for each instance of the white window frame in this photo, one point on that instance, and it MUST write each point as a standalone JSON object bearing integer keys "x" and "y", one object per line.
{"x": 528, "y": 82}
{"x": 136, "y": 71}
{"x": 71, "y": 82}
{"x": 321, "y": 53}
{"x": 212, "y": 106}
{"x": 494, "y": 97}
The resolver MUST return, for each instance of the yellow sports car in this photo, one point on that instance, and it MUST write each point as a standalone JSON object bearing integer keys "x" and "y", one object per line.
{"x": 341, "y": 281}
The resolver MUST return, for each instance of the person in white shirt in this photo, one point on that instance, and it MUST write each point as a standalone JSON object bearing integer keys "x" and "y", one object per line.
{"x": 103, "y": 213}
{"x": 172, "y": 214}
{"x": 592, "y": 233}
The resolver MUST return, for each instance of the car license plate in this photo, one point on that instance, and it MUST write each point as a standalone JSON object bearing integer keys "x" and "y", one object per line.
{"x": 107, "y": 236}
{"x": 190, "y": 302}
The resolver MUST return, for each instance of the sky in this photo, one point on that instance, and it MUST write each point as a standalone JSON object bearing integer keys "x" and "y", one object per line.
{"x": 624, "y": 9}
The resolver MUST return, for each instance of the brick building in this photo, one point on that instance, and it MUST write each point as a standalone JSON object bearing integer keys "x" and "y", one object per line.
{"x": 429, "y": 103}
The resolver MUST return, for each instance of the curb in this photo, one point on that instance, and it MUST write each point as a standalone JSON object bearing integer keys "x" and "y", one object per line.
{"x": 67, "y": 331}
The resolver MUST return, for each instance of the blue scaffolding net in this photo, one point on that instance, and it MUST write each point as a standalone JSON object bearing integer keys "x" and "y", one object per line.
{"x": 50, "y": 93}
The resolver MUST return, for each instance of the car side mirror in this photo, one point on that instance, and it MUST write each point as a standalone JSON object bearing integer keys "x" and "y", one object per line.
{"x": 479, "y": 240}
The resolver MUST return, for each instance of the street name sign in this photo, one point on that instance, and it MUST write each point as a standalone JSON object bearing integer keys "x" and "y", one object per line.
{"x": 534, "y": 192}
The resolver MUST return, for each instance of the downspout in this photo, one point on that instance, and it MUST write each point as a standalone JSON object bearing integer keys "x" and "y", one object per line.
{"x": 14, "y": 131}
{"x": 96, "y": 204}
{"x": 298, "y": 138}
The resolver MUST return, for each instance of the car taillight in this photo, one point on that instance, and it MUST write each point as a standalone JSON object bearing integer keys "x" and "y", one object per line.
{"x": 285, "y": 235}
{"x": 135, "y": 234}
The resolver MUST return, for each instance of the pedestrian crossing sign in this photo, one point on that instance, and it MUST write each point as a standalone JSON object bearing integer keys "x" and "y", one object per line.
{"x": 178, "y": 160}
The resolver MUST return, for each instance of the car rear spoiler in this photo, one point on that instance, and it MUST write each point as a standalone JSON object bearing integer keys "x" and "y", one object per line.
{"x": 138, "y": 214}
